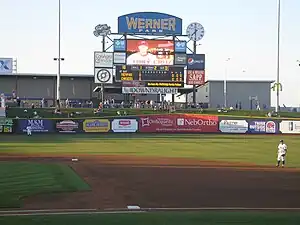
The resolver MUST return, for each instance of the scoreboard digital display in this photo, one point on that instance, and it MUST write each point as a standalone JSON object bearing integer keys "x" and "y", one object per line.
{"x": 150, "y": 73}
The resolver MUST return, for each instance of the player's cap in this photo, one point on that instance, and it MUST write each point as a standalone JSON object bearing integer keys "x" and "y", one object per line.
{"x": 281, "y": 140}
{"x": 143, "y": 43}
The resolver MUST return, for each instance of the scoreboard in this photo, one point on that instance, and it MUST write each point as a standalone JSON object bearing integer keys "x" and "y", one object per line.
{"x": 150, "y": 73}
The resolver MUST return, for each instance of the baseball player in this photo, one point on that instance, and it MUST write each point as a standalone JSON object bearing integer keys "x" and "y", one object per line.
{"x": 142, "y": 57}
{"x": 28, "y": 129}
{"x": 281, "y": 153}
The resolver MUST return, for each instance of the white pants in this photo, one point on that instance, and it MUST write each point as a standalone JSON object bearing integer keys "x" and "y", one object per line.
{"x": 29, "y": 132}
{"x": 281, "y": 158}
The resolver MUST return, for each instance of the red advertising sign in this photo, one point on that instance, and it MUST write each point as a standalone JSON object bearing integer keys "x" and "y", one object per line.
{"x": 195, "y": 77}
{"x": 185, "y": 123}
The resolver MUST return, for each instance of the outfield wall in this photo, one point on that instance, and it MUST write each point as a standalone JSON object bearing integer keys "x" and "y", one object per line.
{"x": 165, "y": 123}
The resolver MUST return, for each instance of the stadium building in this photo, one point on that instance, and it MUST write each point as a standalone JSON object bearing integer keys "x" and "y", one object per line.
{"x": 240, "y": 94}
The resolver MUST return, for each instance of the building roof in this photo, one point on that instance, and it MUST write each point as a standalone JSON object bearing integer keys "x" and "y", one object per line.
{"x": 243, "y": 81}
{"x": 47, "y": 75}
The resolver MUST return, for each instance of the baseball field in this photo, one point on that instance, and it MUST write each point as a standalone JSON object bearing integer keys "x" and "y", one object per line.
{"x": 174, "y": 179}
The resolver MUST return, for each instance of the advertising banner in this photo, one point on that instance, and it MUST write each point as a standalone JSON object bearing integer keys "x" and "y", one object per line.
{"x": 181, "y": 123}
{"x": 262, "y": 127}
{"x": 149, "y": 23}
{"x": 119, "y": 45}
{"x": 6, "y": 125}
{"x": 233, "y": 126}
{"x": 6, "y": 66}
{"x": 290, "y": 127}
{"x": 36, "y": 125}
{"x": 68, "y": 126}
{"x": 124, "y": 125}
{"x": 196, "y": 61}
{"x": 149, "y": 90}
{"x": 195, "y": 77}
{"x": 103, "y": 59}
{"x": 96, "y": 126}
{"x": 119, "y": 58}
{"x": 180, "y": 46}
{"x": 150, "y": 52}
{"x": 180, "y": 59}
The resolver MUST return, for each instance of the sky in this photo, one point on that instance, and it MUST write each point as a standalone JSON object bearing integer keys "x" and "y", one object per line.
{"x": 243, "y": 30}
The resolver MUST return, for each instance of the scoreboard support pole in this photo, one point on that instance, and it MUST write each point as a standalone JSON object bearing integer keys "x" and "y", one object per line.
{"x": 194, "y": 86}
{"x": 102, "y": 84}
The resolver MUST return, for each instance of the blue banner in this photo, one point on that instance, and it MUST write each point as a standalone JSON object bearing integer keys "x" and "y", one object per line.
{"x": 36, "y": 125}
{"x": 263, "y": 127}
{"x": 68, "y": 126}
{"x": 149, "y": 23}
{"x": 119, "y": 45}
{"x": 196, "y": 61}
{"x": 180, "y": 46}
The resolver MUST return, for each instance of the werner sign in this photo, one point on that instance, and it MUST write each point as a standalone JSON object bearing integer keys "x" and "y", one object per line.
{"x": 149, "y": 23}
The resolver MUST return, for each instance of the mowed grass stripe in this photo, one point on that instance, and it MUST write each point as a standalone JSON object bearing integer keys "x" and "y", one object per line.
{"x": 19, "y": 179}
{"x": 258, "y": 149}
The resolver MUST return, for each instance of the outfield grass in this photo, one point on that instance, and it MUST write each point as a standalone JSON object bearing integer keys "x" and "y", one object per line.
{"x": 191, "y": 218}
{"x": 258, "y": 149}
{"x": 18, "y": 180}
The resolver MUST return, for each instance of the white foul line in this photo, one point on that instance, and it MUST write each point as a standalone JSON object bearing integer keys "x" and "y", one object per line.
{"x": 123, "y": 211}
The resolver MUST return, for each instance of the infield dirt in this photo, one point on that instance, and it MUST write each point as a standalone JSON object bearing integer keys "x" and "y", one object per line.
{"x": 119, "y": 181}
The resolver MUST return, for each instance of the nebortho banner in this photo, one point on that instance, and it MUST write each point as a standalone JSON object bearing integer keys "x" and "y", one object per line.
{"x": 290, "y": 127}
{"x": 263, "y": 127}
{"x": 178, "y": 123}
{"x": 124, "y": 125}
{"x": 96, "y": 126}
{"x": 36, "y": 125}
{"x": 233, "y": 126}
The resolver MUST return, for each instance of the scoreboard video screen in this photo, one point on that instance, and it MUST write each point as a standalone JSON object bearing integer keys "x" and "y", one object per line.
{"x": 150, "y": 73}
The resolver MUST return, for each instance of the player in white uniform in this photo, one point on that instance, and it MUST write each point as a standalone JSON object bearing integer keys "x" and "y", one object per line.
{"x": 28, "y": 129}
{"x": 281, "y": 153}
{"x": 142, "y": 57}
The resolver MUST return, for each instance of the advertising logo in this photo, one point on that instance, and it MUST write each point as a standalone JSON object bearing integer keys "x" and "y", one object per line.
{"x": 120, "y": 58}
{"x": 96, "y": 126}
{"x": 265, "y": 127}
{"x": 180, "y": 59}
{"x": 124, "y": 125}
{"x": 195, "y": 77}
{"x": 119, "y": 45}
{"x": 180, "y": 46}
{"x": 37, "y": 125}
{"x": 149, "y": 90}
{"x": 6, "y": 125}
{"x": 150, "y": 52}
{"x": 67, "y": 126}
{"x": 149, "y": 23}
{"x": 233, "y": 126}
{"x": 6, "y": 65}
{"x": 195, "y": 61}
{"x": 178, "y": 123}
{"x": 103, "y": 59}
{"x": 290, "y": 127}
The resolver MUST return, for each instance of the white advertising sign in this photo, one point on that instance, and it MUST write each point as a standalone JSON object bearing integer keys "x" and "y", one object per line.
{"x": 290, "y": 127}
{"x": 103, "y": 76}
{"x": 6, "y": 65}
{"x": 103, "y": 59}
{"x": 124, "y": 125}
{"x": 119, "y": 58}
{"x": 148, "y": 90}
{"x": 233, "y": 126}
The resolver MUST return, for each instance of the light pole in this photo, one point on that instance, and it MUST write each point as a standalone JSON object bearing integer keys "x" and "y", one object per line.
{"x": 278, "y": 57}
{"x": 225, "y": 82}
{"x": 59, "y": 59}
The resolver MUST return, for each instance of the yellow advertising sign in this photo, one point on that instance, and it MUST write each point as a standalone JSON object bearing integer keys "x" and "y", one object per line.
{"x": 96, "y": 126}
